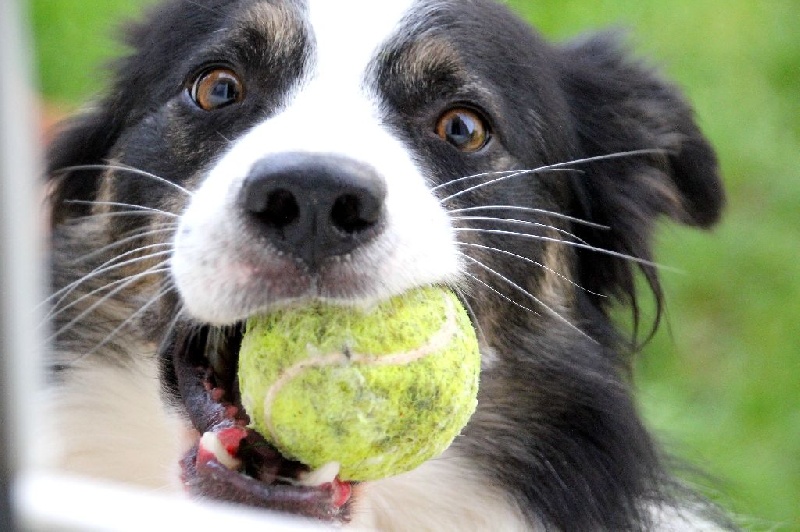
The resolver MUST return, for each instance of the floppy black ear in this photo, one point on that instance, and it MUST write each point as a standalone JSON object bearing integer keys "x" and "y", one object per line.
{"x": 619, "y": 105}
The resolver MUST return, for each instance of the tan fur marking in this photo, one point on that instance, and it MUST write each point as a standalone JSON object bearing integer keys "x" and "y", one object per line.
{"x": 429, "y": 54}
{"x": 554, "y": 287}
{"x": 277, "y": 22}
{"x": 105, "y": 192}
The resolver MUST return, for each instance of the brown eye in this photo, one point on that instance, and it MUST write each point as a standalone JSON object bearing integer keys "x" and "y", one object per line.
{"x": 463, "y": 128}
{"x": 216, "y": 88}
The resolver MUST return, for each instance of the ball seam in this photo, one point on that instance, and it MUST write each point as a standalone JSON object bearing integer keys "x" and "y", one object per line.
{"x": 437, "y": 341}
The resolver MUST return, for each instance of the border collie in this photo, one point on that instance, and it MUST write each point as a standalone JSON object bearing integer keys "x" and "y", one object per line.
{"x": 254, "y": 154}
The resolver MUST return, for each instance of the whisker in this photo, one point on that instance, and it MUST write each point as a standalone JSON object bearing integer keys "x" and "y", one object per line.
{"x": 573, "y": 244}
{"x": 505, "y": 177}
{"x": 56, "y": 310}
{"x": 112, "y": 264}
{"x": 526, "y": 293}
{"x": 98, "y": 270}
{"x": 473, "y": 176}
{"x": 554, "y": 214}
{"x": 113, "y": 214}
{"x": 531, "y": 261}
{"x": 521, "y": 222}
{"x": 178, "y": 316}
{"x": 610, "y": 156}
{"x": 162, "y": 224}
{"x": 472, "y": 314}
{"x": 118, "y": 204}
{"x": 123, "y": 168}
{"x": 129, "y": 319}
{"x": 122, "y": 242}
{"x": 158, "y": 269}
{"x": 563, "y": 166}
{"x": 502, "y": 295}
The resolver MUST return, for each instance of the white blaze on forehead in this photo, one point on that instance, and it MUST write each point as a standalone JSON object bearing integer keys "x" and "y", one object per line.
{"x": 352, "y": 29}
{"x": 336, "y": 106}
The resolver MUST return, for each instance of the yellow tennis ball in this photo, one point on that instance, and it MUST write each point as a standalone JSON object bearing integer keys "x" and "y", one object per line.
{"x": 379, "y": 391}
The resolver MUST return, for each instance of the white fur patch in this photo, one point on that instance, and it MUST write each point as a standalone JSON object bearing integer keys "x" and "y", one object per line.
{"x": 110, "y": 422}
{"x": 333, "y": 111}
{"x": 442, "y": 494}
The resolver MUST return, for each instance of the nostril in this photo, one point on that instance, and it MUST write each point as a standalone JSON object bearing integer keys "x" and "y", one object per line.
{"x": 282, "y": 208}
{"x": 350, "y": 215}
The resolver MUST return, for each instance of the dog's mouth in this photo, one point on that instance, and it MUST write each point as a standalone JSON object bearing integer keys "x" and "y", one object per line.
{"x": 229, "y": 461}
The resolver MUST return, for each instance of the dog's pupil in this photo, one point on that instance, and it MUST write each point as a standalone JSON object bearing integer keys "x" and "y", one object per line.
{"x": 224, "y": 91}
{"x": 461, "y": 130}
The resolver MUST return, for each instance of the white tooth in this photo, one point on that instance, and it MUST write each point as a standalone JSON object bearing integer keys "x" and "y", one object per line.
{"x": 323, "y": 475}
{"x": 211, "y": 443}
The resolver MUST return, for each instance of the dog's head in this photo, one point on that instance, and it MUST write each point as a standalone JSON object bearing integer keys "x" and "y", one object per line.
{"x": 253, "y": 154}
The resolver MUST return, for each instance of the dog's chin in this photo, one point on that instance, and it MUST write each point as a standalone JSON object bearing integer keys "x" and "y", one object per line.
{"x": 229, "y": 461}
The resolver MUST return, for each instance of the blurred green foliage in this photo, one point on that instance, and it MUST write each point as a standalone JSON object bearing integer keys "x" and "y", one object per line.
{"x": 721, "y": 381}
{"x": 75, "y": 39}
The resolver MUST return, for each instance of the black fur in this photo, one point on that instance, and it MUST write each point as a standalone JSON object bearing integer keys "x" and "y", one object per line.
{"x": 557, "y": 427}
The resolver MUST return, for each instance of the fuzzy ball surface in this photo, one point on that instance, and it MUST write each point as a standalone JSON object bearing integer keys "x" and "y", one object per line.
{"x": 378, "y": 391}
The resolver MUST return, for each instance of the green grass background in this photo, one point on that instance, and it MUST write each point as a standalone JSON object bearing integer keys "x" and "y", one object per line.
{"x": 721, "y": 382}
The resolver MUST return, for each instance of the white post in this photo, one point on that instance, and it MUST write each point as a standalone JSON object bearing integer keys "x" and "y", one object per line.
{"x": 21, "y": 236}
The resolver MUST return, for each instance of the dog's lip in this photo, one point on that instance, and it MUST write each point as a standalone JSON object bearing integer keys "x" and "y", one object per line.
{"x": 259, "y": 483}
{"x": 208, "y": 477}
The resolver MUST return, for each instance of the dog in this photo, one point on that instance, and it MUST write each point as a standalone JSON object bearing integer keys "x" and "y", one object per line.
{"x": 251, "y": 155}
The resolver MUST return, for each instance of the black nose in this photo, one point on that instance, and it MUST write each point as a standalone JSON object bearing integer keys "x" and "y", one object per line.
{"x": 314, "y": 206}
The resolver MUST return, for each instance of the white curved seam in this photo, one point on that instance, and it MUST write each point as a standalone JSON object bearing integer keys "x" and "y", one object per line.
{"x": 439, "y": 340}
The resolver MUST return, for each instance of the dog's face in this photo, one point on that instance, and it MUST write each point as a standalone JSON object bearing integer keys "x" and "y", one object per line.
{"x": 264, "y": 153}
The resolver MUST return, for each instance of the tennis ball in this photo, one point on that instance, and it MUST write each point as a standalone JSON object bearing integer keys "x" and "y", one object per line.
{"x": 378, "y": 391}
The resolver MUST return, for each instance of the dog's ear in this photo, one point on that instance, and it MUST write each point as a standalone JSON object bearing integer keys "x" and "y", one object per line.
{"x": 84, "y": 140}
{"x": 620, "y": 105}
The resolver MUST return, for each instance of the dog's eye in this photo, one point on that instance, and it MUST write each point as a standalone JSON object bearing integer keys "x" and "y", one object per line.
{"x": 463, "y": 128}
{"x": 216, "y": 88}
